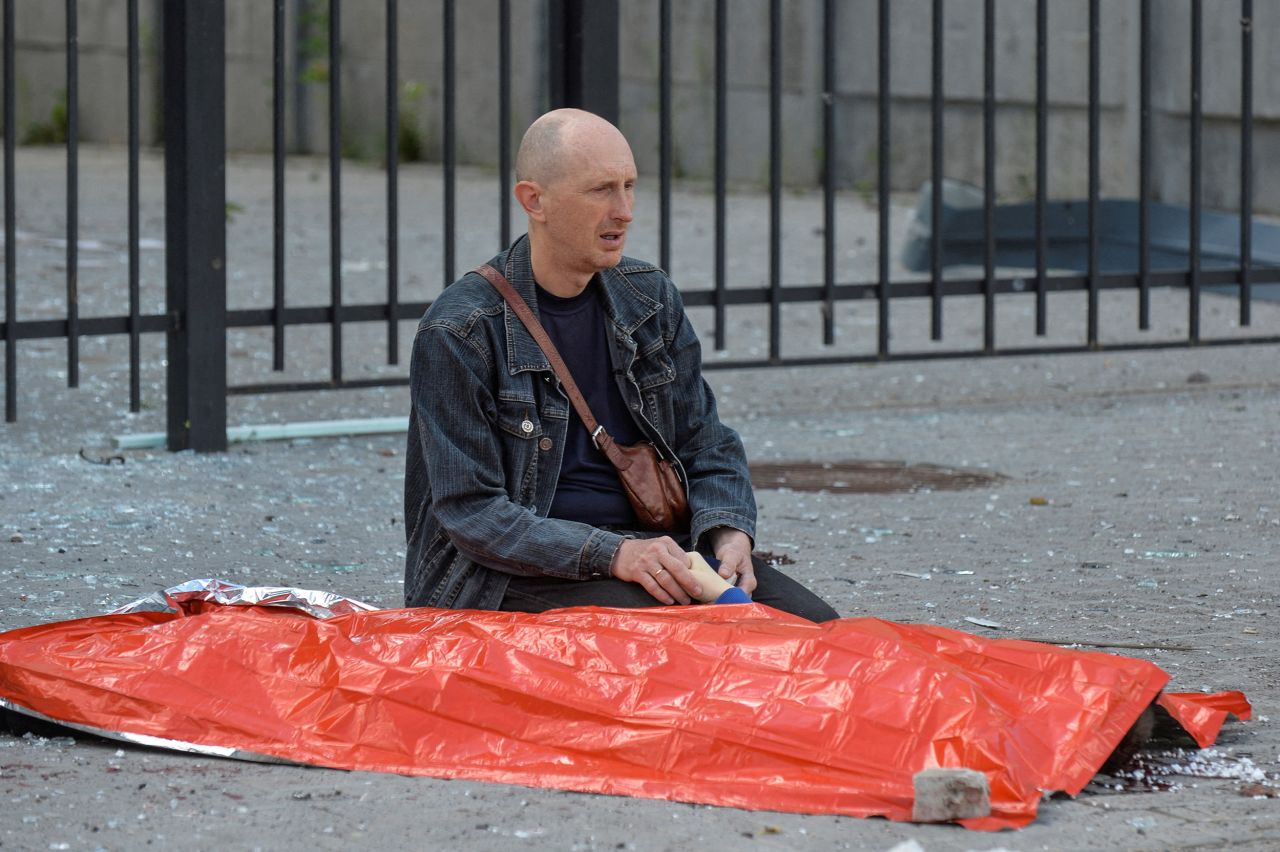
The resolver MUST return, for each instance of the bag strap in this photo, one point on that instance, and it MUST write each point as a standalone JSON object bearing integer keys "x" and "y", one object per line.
{"x": 504, "y": 288}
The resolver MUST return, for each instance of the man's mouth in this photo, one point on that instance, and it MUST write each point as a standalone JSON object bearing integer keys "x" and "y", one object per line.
{"x": 613, "y": 236}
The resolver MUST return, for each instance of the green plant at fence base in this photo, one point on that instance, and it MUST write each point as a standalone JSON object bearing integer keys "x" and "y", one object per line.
{"x": 413, "y": 144}
{"x": 1026, "y": 184}
{"x": 410, "y": 144}
{"x": 53, "y": 131}
{"x": 313, "y": 25}
{"x": 317, "y": 71}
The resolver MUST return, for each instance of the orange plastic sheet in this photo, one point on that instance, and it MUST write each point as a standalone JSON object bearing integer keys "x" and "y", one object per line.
{"x": 1202, "y": 714}
{"x": 728, "y": 705}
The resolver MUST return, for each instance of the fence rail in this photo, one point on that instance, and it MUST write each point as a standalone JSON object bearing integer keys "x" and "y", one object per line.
{"x": 583, "y": 70}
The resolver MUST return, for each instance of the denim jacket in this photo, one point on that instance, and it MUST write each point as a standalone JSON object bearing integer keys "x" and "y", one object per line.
{"x": 487, "y": 433}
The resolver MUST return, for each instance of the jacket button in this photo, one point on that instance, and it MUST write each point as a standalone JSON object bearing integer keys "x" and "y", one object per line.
{"x": 526, "y": 427}
{"x": 545, "y": 444}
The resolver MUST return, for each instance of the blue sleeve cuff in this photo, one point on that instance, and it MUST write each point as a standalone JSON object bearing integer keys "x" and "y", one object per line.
{"x": 733, "y": 595}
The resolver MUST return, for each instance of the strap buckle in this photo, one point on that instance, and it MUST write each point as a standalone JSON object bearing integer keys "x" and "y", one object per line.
{"x": 595, "y": 437}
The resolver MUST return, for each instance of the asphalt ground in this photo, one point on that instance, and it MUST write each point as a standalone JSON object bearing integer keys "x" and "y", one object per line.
{"x": 1136, "y": 511}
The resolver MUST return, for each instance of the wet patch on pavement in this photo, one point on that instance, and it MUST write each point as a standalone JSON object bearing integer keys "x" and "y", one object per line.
{"x": 868, "y": 477}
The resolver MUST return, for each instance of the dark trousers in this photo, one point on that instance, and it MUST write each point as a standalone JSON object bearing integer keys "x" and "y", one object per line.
{"x": 538, "y": 594}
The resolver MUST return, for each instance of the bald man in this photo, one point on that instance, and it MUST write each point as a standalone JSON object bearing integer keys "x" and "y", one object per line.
{"x": 508, "y": 504}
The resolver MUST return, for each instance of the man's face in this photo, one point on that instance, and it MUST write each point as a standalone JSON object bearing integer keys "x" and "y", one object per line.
{"x": 588, "y": 206}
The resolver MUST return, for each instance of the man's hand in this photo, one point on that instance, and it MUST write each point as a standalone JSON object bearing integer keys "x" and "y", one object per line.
{"x": 733, "y": 548}
{"x": 659, "y": 565}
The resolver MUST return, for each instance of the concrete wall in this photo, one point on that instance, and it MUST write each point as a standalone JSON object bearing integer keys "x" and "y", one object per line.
{"x": 911, "y": 83}
{"x": 857, "y": 89}
{"x": 41, "y": 60}
{"x": 40, "y": 67}
{"x": 1220, "y": 100}
{"x": 40, "y": 72}
{"x": 363, "y": 39}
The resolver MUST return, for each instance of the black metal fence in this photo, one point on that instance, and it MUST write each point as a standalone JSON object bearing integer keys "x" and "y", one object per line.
{"x": 583, "y": 70}
{"x": 72, "y": 327}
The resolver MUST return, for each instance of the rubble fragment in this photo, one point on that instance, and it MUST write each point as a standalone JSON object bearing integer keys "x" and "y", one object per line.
{"x": 944, "y": 794}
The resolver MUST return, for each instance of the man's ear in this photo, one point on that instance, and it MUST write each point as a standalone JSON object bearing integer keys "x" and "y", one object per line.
{"x": 529, "y": 194}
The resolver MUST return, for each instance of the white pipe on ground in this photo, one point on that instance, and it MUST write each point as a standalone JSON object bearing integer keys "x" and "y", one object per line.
{"x": 280, "y": 432}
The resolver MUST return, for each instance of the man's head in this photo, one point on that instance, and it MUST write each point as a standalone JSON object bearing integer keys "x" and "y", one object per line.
{"x": 576, "y": 181}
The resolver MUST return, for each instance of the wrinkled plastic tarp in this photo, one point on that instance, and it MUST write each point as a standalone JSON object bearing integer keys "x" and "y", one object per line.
{"x": 730, "y": 705}
{"x": 190, "y": 594}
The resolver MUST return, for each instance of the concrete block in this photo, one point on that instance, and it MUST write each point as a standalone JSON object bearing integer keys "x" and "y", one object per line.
{"x": 1171, "y": 63}
{"x": 41, "y": 24}
{"x": 249, "y": 105}
{"x": 1220, "y": 163}
{"x": 857, "y": 41}
{"x": 249, "y": 32}
{"x": 911, "y": 156}
{"x": 364, "y": 29}
{"x": 912, "y": 47}
{"x": 637, "y": 49}
{"x": 942, "y": 795}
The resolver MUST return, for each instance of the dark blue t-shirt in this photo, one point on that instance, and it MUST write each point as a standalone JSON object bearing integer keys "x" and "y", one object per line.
{"x": 588, "y": 489}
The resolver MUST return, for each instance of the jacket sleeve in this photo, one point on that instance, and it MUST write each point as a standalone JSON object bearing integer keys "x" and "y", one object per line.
{"x": 452, "y": 384}
{"x": 712, "y": 454}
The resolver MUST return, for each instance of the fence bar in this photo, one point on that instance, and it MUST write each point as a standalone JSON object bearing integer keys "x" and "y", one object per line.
{"x": 1193, "y": 302}
{"x": 796, "y": 293}
{"x": 1144, "y": 168}
{"x": 73, "y": 197}
{"x": 1246, "y": 158}
{"x": 277, "y": 183}
{"x": 335, "y": 190}
{"x": 450, "y": 141}
{"x": 1042, "y": 162}
{"x": 809, "y": 292}
{"x": 134, "y": 202}
{"x": 989, "y": 175}
{"x": 56, "y": 329}
{"x": 936, "y": 195}
{"x": 10, "y": 244}
{"x": 195, "y": 223}
{"x": 829, "y": 164}
{"x": 815, "y": 361}
{"x": 1018, "y": 352}
{"x": 664, "y": 134}
{"x": 504, "y": 120}
{"x": 1095, "y": 38}
{"x": 301, "y": 72}
{"x": 775, "y": 179}
{"x": 584, "y": 46}
{"x": 721, "y": 178}
{"x": 393, "y": 183}
{"x": 884, "y": 185}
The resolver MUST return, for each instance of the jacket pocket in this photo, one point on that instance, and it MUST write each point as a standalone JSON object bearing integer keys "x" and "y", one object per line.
{"x": 519, "y": 429}
{"x": 655, "y": 378}
{"x": 653, "y": 369}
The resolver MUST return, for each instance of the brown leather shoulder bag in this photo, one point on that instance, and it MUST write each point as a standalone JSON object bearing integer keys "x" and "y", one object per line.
{"x": 650, "y": 481}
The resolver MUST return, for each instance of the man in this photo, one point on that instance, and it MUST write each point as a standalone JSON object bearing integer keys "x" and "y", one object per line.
{"x": 508, "y": 505}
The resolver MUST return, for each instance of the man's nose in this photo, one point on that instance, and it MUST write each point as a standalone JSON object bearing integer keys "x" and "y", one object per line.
{"x": 622, "y": 207}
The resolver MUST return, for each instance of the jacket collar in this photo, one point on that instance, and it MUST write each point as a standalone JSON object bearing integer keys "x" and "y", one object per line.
{"x": 627, "y": 307}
